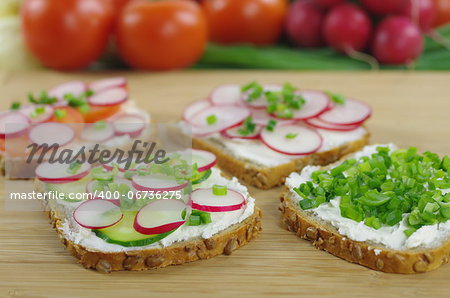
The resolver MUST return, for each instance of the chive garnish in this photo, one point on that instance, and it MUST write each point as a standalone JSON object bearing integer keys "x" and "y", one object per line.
{"x": 43, "y": 98}
{"x": 15, "y": 106}
{"x": 291, "y": 135}
{"x": 385, "y": 188}
{"x": 248, "y": 127}
{"x": 100, "y": 124}
{"x": 271, "y": 125}
{"x": 336, "y": 98}
{"x": 60, "y": 114}
{"x": 211, "y": 119}
{"x": 74, "y": 167}
{"x": 219, "y": 190}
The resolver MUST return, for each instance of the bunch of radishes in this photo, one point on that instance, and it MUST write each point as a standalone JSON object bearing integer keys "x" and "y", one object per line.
{"x": 390, "y": 30}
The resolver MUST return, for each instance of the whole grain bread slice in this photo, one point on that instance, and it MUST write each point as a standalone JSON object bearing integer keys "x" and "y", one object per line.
{"x": 268, "y": 177}
{"x": 179, "y": 253}
{"x": 375, "y": 256}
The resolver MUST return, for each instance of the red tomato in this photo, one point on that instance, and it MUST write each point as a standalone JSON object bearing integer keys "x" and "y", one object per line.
{"x": 259, "y": 22}
{"x": 69, "y": 34}
{"x": 442, "y": 12}
{"x": 161, "y": 35}
{"x": 100, "y": 113}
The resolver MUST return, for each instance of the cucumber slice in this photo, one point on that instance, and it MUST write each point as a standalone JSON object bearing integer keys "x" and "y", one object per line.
{"x": 202, "y": 177}
{"x": 68, "y": 188}
{"x": 123, "y": 233}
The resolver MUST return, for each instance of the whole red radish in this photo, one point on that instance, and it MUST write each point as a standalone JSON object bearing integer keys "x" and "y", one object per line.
{"x": 384, "y": 7}
{"x": 347, "y": 28}
{"x": 397, "y": 41}
{"x": 422, "y": 13}
{"x": 328, "y": 3}
{"x": 304, "y": 24}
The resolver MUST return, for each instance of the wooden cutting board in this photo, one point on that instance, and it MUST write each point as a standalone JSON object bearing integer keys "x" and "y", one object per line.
{"x": 410, "y": 109}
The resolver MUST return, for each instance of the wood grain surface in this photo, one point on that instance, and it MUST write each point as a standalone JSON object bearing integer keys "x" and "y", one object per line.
{"x": 409, "y": 109}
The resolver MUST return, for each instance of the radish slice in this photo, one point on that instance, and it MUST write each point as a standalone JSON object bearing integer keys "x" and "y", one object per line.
{"x": 315, "y": 122}
{"x": 261, "y": 102}
{"x": 52, "y": 133}
{"x": 129, "y": 124}
{"x": 75, "y": 88}
{"x": 156, "y": 183}
{"x": 60, "y": 173}
{"x": 353, "y": 112}
{"x": 30, "y": 112}
{"x": 159, "y": 216}
{"x": 261, "y": 117}
{"x": 303, "y": 140}
{"x": 13, "y": 124}
{"x": 233, "y": 133}
{"x": 104, "y": 84}
{"x": 97, "y": 214}
{"x": 109, "y": 97}
{"x": 117, "y": 180}
{"x": 204, "y": 199}
{"x": 316, "y": 102}
{"x": 204, "y": 159}
{"x": 224, "y": 116}
{"x": 94, "y": 133}
{"x": 195, "y": 108}
{"x": 226, "y": 95}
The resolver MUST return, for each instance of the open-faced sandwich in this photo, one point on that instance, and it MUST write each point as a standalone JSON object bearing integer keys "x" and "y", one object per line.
{"x": 383, "y": 207}
{"x": 261, "y": 134}
{"x": 70, "y": 115}
{"x": 149, "y": 215}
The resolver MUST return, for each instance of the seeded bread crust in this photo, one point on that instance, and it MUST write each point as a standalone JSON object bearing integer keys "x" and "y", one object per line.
{"x": 325, "y": 237}
{"x": 268, "y": 177}
{"x": 183, "y": 252}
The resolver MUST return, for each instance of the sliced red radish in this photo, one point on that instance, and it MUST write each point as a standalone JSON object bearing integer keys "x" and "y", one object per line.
{"x": 97, "y": 132}
{"x": 234, "y": 133}
{"x": 204, "y": 199}
{"x": 226, "y": 95}
{"x": 195, "y": 108}
{"x": 204, "y": 159}
{"x": 261, "y": 117}
{"x": 353, "y": 112}
{"x": 157, "y": 183}
{"x": 261, "y": 102}
{"x": 97, "y": 214}
{"x": 159, "y": 216}
{"x": 61, "y": 173}
{"x": 316, "y": 102}
{"x": 37, "y": 113}
{"x": 104, "y": 84}
{"x": 317, "y": 123}
{"x": 129, "y": 124}
{"x": 218, "y": 118}
{"x": 117, "y": 180}
{"x": 51, "y": 133}
{"x": 292, "y": 139}
{"x": 13, "y": 124}
{"x": 109, "y": 97}
{"x": 74, "y": 87}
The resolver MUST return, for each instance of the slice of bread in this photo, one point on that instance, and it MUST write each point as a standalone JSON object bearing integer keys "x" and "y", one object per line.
{"x": 268, "y": 177}
{"x": 224, "y": 242}
{"x": 325, "y": 236}
{"x": 153, "y": 256}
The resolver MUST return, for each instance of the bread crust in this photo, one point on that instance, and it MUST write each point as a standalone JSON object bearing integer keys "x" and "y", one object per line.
{"x": 268, "y": 177}
{"x": 179, "y": 253}
{"x": 325, "y": 237}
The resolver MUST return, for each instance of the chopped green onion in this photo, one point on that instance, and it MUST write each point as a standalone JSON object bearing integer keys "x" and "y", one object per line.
{"x": 100, "y": 124}
{"x": 74, "y": 167}
{"x": 291, "y": 135}
{"x": 15, "y": 106}
{"x": 211, "y": 119}
{"x": 84, "y": 109}
{"x": 271, "y": 125}
{"x": 248, "y": 127}
{"x": 38, "y": 111}
{"x": 336, "y": 98}
{"x": 219, "y": 190}
{"x": 43, "y": 98}
{"x": 194, "y": 220}
{"x": 60, "y": 114}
